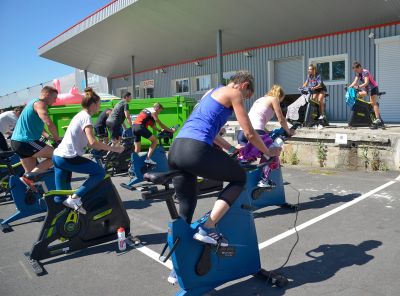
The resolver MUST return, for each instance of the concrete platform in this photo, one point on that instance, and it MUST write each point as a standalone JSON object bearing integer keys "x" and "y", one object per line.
{"x": 338, "y": 146}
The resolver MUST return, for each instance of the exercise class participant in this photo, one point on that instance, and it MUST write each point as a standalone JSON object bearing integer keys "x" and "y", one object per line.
{"x": 148, "y": 117}
{"x": 263, "y": 110}
{"x": 100, "y": 127}
{"x": 193, "y": 153}
{"x": 68, "y": 158}
{"x": 117, "y": 117}
{"x": 25, "y": 140}
{"x": 367, "y": 85}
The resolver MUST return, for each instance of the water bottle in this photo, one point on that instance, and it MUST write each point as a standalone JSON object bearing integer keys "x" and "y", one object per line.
{"x": 121, "y": 239}
{"x": 278, "y": 143}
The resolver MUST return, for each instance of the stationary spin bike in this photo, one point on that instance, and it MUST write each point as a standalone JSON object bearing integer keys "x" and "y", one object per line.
{"x": 116, "y": 163}
{"x": 27, "y": 201}
{"x": 65, "y": 230}
{"x": 362, "y": 113}
{"x": 261, "y": 197}
{"x": 9, "y": 165}
{"x": 139, "y": 168}
{"x": 202, "y": 267}
{"x": 305, "y": 111}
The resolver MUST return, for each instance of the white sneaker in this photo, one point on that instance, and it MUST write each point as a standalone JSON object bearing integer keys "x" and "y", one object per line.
{"x": 210, "y": 236}
{"x": 377, "y": 121}
{"x": 75, "y": 204}
{"x": 150, "y": 161}
{"x": 172, "y": 278}
{"x": 321, "y": 117}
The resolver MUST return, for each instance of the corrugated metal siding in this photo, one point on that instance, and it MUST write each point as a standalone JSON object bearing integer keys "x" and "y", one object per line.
{"x": 289, "y": 74}
{"x": 356, "y": 44}
{"x": 388, "y": 77}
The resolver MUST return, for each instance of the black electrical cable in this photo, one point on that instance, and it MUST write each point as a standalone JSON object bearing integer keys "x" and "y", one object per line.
{"x": 297, "y": 234}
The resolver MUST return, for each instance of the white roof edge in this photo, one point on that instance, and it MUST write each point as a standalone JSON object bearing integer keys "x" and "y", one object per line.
{"x": 86, "y": 23}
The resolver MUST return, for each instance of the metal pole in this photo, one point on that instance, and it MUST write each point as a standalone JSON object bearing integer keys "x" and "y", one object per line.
{"x": 220, "y": 70}
{"x": 109, "y": 86}
{"x": 86, "y": 80}
{"x": 133, "y": 77}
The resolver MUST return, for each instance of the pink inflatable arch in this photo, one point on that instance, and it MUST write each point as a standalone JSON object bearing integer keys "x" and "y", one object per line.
{"x": 72, "y": 97}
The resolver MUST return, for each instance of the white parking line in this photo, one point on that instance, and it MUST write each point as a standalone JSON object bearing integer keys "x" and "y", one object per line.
{"x": 153, "y": 255}
{"x": 25, "y": 269}
{"x": 325, "y": 215}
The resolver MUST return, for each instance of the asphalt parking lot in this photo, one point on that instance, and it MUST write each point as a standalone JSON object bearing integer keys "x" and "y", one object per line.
{"x": 348, "y": 228}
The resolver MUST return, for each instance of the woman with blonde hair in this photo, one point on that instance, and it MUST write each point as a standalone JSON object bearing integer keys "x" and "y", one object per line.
{"x": 263, "y": 110}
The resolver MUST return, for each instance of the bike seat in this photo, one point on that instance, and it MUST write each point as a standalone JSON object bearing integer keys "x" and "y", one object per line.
{"x": 381, "y": 93}
{"x": 35, "y": 176}
{"x": 6, "y": 154}
{"x": 161, "y": 178}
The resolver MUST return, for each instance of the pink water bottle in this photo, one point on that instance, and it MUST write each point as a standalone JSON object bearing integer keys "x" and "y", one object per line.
{"x": 121, "y": 239}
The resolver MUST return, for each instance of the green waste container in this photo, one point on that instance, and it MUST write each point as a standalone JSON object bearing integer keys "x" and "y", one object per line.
{"x": 62, "y": 115}
{"x": 176, "y": 110}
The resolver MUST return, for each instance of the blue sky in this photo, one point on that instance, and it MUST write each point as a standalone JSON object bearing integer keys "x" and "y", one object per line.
{"x": 25, "y": 25}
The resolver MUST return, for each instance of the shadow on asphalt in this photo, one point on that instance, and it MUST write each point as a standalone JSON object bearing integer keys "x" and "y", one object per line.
{"x": 327, "y": 260}
{"x": 110, "y": 247}
{"x": 153, "y": 238}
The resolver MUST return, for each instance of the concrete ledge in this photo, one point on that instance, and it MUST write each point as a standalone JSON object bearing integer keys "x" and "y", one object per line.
{"x": 338, "y": 147}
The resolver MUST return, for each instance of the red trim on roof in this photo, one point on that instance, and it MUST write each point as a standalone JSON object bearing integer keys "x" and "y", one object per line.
{"x": 105, "y": 6}
{"x": 267, "y": 45}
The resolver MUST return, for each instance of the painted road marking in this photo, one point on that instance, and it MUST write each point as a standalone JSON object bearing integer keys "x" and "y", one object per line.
{"x": 153, "y": 255}
{"x": 25, "y": 269}
{"x": 326, "y": 215}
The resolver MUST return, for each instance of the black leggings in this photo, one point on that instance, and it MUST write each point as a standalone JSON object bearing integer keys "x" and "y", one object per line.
{"x": 3, "y": 143}
{"x": 195, "y": 158}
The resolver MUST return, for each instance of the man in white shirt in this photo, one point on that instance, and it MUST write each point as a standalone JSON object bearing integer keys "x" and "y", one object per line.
{"x": 8, "y": 119}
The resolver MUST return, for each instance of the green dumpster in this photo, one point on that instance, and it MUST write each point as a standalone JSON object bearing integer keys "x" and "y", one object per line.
{"x": 176, "y": 110}
{"x": 62, "y": 115}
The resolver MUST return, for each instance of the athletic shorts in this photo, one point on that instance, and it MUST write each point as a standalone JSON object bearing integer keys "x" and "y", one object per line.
{"x": 115, "y": 130}
{"x": 3, "y": 143}
{"x": 242, "y": 140}
{"x": 27, "y": 149}
{"x": 140, "y": 131}
{"x": 100, "y": 131}
{"x": 374, "y": 91}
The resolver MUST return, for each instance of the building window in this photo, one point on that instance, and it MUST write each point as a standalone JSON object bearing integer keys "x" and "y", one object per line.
{"x": 203, "y": 83}
{"x": 182, "y": 86}
{"x": 333, "y": 69}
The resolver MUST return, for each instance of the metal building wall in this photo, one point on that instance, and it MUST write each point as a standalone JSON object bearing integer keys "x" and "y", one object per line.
{"x": 356, "y": 44}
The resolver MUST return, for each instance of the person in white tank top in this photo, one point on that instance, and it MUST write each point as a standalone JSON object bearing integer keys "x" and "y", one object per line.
{"x": 263, "y": 110}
